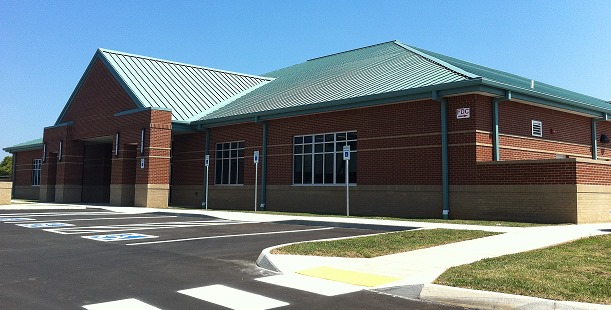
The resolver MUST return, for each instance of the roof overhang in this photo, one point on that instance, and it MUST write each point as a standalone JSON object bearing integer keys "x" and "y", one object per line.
{"x": 478, "y": 85}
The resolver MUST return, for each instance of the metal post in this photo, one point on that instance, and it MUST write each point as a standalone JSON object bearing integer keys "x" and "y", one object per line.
{"x": 207, "y": 167}
{"x": 256, "y": 160}
{"x": 347, "y": 192}
{"x": 346, "y": 160}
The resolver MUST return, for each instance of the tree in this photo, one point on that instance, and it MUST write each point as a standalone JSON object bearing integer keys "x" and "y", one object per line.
{"x": 6, "y": 167}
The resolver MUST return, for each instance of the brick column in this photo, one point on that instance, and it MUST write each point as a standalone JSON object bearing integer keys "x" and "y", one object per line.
{"x": 69, "y": 182}
{"x": 153, "y": 167}
{"x": 123, "y": 177}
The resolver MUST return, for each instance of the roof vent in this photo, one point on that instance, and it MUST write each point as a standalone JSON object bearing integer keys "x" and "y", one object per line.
{"x": 532, "y": 84}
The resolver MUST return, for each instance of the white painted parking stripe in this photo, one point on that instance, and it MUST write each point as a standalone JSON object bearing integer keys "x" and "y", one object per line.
{"x": 130, "y": 227}
{"x": 106, "y": 218}
{"x": 56, "y": 214}
{"x": 124, "y": 304}
{"x": 311, "y": 284}
{"x": 233, "y": 298}
{"x": 230, "y": 236}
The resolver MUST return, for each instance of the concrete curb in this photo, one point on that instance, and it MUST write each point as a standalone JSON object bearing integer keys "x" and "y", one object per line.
{"x": 491, "y": 300}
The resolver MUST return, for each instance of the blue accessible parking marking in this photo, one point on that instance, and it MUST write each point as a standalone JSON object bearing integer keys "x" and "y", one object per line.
{"x": 15, "y": 219}
{"x": 119, "y": 237}
{"x": 44, "y": 225}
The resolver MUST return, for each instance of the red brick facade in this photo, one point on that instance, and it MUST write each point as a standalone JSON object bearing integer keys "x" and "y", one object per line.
{"x": 399, "y": 154}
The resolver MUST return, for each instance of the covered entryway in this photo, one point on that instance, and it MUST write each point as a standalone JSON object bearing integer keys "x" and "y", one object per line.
{"x": 97, "y": 168}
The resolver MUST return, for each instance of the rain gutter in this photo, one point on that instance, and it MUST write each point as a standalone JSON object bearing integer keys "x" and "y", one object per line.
{"x": 445, "y": 173}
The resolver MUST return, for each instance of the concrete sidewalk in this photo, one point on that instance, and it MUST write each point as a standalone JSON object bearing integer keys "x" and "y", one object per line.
{"x": 408, "y": 274}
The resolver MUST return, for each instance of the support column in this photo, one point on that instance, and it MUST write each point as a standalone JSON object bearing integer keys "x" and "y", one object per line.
{"x": 123, "y": 177}
{"x": 68, "y": 186}
{"x": 153, "y": 167}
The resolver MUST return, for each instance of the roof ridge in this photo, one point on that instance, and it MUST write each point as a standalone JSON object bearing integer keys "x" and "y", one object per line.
{"x": 352, "y": 50}
{"x": 438, "y": 61}
{"x": 103, "y": 50}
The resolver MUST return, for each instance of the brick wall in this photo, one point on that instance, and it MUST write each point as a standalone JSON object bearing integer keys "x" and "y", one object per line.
{"x": 23, "y": 166}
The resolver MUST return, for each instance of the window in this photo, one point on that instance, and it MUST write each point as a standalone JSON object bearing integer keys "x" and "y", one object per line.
{"x": 537, "y": 128}
{"x": 318, "y": 159}
{"x": 36, "y": 163}
{"x": 229, "y": 163}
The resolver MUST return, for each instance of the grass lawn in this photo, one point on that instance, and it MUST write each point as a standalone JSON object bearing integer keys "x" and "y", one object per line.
{"x": 574, "y": 271}
{"x": 382, "y": 244}
{"x": 463, "y": 222}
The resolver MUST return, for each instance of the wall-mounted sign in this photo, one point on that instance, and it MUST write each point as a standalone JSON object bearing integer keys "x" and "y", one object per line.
{"x": 463, "y": 113}
{"x": 141, "y": 163}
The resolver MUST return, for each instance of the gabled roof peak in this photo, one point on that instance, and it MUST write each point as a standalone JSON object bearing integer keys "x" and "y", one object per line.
{"x": 108, "y": 51}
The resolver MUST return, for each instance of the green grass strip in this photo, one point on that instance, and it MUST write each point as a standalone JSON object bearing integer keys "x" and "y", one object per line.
{"x": 575, "y": 271}
{"x": 382, "y": 244}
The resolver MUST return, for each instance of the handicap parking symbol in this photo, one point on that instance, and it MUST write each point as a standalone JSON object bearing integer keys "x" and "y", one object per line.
{"x": 119, "y": 237}
{"x": 15, "y": 219}
{"x": 44, "y": 225}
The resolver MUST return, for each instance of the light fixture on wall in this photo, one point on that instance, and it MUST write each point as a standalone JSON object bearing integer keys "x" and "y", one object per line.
{"x": 604, "y": 139}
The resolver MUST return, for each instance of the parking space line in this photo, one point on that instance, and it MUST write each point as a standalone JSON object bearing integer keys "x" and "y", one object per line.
{"x": 149, "y": 226}
{"x": 106, "y": 218}
{"x": 131, "y": 303}
{"x": 233, "y": 298}
{"x": 230, "y": 236}
{"x": 42, "y": 214}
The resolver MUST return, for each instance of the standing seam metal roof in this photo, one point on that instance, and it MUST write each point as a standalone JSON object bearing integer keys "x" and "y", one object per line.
{"x": 189, "y": 91}
{"x": 376, "y": 69}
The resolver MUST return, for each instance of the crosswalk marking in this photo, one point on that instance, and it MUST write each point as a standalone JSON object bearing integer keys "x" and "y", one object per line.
{"x": 233, "y": 298}
{"x": 124, "y": 304}
{"x": 147, "y": 226}
{"x": 312, "y": 285}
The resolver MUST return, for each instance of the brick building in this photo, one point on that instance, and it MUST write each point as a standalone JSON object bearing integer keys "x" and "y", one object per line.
{"x": 429, "y": 135}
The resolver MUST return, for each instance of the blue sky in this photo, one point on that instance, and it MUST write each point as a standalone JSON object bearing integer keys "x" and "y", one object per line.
{"x": 45, "y": 46}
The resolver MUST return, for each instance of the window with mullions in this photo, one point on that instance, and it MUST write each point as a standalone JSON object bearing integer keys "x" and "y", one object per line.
{"x": 229, "y": 163}
{"x": 36, "y": 163}
{"x": 318, "y": 159}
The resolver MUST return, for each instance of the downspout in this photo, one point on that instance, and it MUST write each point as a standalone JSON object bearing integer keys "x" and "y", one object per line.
{"x": 594, "y": 142}
{"x": 14, "y": 174}
{"x": 445, "y": 180}
{"x": 594, "y": 135}
{"x": 206, "y": 152}
{"x": 264, "y": 168}
{"x": 495, "y": 130}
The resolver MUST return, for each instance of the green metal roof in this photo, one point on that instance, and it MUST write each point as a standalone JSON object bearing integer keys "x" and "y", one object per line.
{"x": 381, "y": 68}
{"x": 392, "y": 68}
{"x": 188, "y": 91}
{"x": 518, "y": 81}
{"x": 29, "y": 145}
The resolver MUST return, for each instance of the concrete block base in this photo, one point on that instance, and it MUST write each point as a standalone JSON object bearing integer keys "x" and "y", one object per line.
{"x": 5, "y": 192}
{"x": 151, "y": 195}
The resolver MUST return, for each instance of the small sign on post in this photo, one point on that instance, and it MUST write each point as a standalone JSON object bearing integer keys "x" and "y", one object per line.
{"x": 256, "y": 160}
{"x": 207, "y": 163}
{"x": 346, "y": 154}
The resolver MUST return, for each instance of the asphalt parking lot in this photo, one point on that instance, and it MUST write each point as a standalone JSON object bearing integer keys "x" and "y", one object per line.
{"x": 98, "y": 259}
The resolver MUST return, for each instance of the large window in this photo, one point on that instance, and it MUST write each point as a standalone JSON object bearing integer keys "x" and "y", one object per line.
{"x": 318, "y": 159}
{"x": 229, "y": 163}
{"x": 36, "y": 163}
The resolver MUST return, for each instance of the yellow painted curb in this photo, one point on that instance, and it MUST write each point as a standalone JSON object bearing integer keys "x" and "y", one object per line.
{"x": 348, "y": 276}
